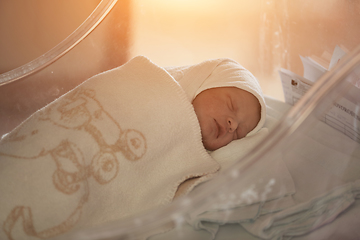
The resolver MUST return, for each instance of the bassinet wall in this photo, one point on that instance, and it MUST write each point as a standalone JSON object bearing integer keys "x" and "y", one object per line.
{"x": 189, "y": 217}
{"x": 95, "y": 46}
{"x": 254, "y": 198}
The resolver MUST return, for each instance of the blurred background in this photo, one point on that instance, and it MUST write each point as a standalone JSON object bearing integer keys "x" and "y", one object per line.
{"x": 262, "y": 35}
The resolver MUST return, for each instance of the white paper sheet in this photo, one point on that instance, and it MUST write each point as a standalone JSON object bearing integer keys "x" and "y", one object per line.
{"x": 345, "y": 114}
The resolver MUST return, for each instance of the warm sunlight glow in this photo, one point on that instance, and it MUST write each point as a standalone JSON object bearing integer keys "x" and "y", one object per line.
{"x": 262, "y": 35}
{"x": 182, "y": 32}
{"x": 201, "y": 6}
{"x": 189, "y": 31}
{"x": 185, "y": 3}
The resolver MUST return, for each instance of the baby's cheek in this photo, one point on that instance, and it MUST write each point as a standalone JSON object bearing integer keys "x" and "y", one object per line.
{"x": 205, "y": 129}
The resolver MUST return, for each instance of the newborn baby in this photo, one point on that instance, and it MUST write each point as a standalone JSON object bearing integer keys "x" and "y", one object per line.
{"x": 226, "y": 97}
{"x": 225, "y": 114}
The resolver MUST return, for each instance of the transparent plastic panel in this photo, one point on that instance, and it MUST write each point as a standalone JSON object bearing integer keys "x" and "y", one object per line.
{"x": 31, "y": 28}
{"x": 301, "y": 181}
{"x": 67, "y": 64}
{"x": 295, "y": 183}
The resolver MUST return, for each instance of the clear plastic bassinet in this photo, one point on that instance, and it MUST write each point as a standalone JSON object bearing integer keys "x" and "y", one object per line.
{"x": 317, "y": 140}
{"x": 299, "y": 139}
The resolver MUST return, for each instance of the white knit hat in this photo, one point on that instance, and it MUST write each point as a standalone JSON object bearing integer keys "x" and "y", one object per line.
{"x": 215, "y": 73}
{"x": 231, "y": 74}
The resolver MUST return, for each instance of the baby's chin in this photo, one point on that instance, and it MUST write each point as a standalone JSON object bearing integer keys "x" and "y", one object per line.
{"x": 212, "y": 145}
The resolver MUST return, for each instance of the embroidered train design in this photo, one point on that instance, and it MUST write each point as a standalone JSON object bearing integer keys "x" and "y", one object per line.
{"x": 79, "y": 112}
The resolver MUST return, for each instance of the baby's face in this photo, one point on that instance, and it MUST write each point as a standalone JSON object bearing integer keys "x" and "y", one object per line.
{"x": 225, "y": 114}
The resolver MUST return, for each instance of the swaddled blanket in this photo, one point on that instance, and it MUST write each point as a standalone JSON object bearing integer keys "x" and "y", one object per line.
{"x": 120, "y": 143}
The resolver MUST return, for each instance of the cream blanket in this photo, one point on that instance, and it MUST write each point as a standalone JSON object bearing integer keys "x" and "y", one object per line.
{"x": 119, "y": 144}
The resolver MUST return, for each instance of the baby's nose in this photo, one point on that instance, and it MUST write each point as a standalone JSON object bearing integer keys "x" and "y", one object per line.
{"x": 232, "y": 124}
